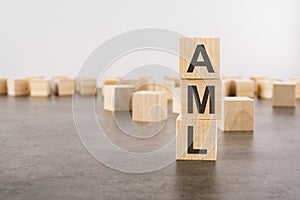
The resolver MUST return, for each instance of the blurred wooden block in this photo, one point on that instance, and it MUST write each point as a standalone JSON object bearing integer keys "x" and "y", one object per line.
{"x": 239, "y": 114}
{"x": 199, "y": 58}
{"x": 86, "y": 86}
{"x": 65, "y": 87}
{"x": 145, "y": 87}
{"x": 297, "y": 81}
{"x": 53, "y": 83}
{"x": 134, "y": 82}
{"x": 176, "y": 100}
{"x": 166, "y": 86}
{"x": 118, "y": 97}
{"x": 244, "y": 88}
{"x": 229, "y": 87}
{"x": 175, "y": 79}
{"x": 40, "y": 88}
{"x": 196, "y": 139}
{"x": 265, "y": 89}
{"x": 17, "y": 87}
{"x": 201, "y": 99}
{"x": 149, "y": 106}
{"x": 284, "y": 94}
{"x": 111, "y": 80}
{"x": 257, "y": 80}
{"x": 3, "y": 86}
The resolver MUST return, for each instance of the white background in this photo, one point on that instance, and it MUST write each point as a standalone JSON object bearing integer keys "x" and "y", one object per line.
{"x": 258, "y": 37}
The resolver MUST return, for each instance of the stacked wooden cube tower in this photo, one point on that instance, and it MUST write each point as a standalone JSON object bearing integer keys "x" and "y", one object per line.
{"x": 201, "y": 99}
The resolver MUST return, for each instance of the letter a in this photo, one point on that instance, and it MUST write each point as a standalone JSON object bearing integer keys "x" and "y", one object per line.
{"x": 205, "y": 63}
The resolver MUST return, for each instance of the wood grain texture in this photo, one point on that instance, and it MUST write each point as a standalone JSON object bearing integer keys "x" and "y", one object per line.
{"x": 149, "y": 106}
{"x": 201, "y": 87}
{"x": 239, "y": 114}
{"x": 204, "y": 137}
{"x": 284, "y": 94}
{"x": 187, "y": 50}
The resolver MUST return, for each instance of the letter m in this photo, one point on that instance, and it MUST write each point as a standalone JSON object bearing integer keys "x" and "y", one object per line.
{"x": 201, "y": 105}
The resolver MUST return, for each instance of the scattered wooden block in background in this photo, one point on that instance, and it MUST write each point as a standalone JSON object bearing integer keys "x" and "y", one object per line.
{"x": 284, "y": 94}
{"x": 166, "y": 86}
{"x": 3, "y": 86}
{"x": 118, "y": 97}
{"x": 64, "y": 86}
{"x": 149, "y": 106}
{"x": 40, "y": 88}
{"x": 239, "y": 114}
{"x": 86, "y": 86}
{"x": 229, "y": 87}
{"x": 111, "y": 80}
{"x": 196, "y": 139}
{"x": 244, "y": 88}
{"x": 265, "y": 89}
{"x": 53, "y": 83}
{"x": 206, "y": 97}
{"x": 191, "y": 49}
{"x": 257, "y": 80}
{"x": 175, "y": 79}
{"x": 176, "y": 102}
{"x": 297, "y": 81}
{"x": 17, "y": 87}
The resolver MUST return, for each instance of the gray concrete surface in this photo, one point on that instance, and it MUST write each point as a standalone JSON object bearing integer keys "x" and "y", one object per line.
{"x": 41, "y": 157}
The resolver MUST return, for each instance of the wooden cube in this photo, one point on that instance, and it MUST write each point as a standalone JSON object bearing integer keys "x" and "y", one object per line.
{"x": 229, "y": 87}
{"x": 284, "y": 94}
{"x": 239, "y": 114}
{"x": 3, "y": 86}
{"x": 86, "y": 86}
{"x": 196, "y": 139}
{"x": 204, "y": 101}
{"x": 17, "y": 87}
{"x": 297, "y": 81}
{"x": 176, "y": 102}
{"x": 149, "y": 106}
{"x": 265, "y": 89}
{"x": 53, "y": 83}
{"x": 257, "y": 80}
{"x": 244, "y": 88}
{"x": 40, "y": 88}
{"x": 166, "y": 86}
{"x": 199, "y": 58}
{"x": 118, "y": 97}
{"x": 65, "y": 87}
